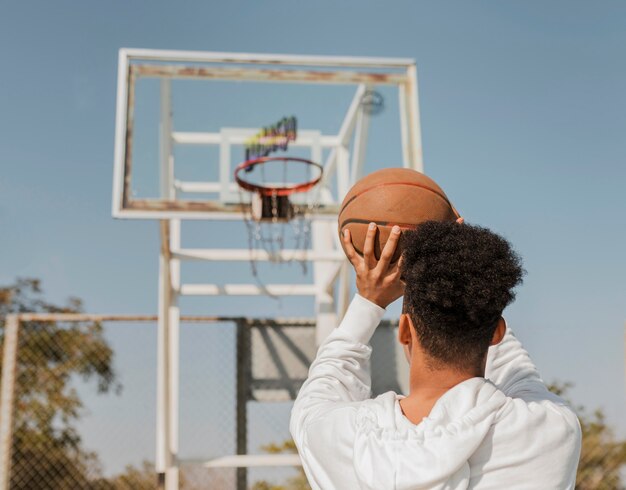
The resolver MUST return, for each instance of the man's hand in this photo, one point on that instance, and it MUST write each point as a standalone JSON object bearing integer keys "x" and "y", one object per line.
{"x": 377, "y": 282}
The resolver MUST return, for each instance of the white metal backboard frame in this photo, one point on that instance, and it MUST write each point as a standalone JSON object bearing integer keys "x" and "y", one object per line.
{"x": 366, "y": 73}
{"x": 342, "y": 166}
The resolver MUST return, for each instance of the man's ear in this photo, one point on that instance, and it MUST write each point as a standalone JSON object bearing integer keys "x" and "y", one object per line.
{"x": 498, "y": 335}
{"x": 404, "y": 329}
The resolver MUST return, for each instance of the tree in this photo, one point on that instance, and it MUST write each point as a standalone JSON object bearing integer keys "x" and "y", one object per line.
{"x": 47, "y": 449}
{"x": 602, "y": 456}
{"x": 298, "y": 482}
{"x": 133, "y": 478}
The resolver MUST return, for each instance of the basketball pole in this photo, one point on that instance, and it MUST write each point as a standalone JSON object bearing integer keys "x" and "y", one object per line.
{"x": 321, "y": 240}
{"x": 169, "y": 314}
{"x": 360, "y": 144}
{"x": 163, "y": 456}
{"x": 243, "y": 391}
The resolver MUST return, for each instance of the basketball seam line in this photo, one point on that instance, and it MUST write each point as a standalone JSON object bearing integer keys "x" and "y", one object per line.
{"x": 386, "y": 184}
{"x": 404, "y": 226}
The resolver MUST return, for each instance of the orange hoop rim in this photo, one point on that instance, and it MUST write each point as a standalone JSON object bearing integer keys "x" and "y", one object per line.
{"x": 266, "y": 190}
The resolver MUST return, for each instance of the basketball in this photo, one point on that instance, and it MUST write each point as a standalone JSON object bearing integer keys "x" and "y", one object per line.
{"x": 388, "y": 197}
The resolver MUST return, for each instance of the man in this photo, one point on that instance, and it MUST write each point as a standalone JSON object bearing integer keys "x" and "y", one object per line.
{"x": 477, "y": 415}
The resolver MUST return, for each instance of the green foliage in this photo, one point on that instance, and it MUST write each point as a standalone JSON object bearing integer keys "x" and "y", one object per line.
{"x": 142, "y": 478}
{"x": 47, "y": 449}
{"x": 298, "y": 482}
{"x": 602, "y": 456}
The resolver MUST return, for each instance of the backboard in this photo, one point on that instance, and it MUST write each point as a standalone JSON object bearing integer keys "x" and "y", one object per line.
{"x": 184, "y": 122}
{"x": 184, "y": 118}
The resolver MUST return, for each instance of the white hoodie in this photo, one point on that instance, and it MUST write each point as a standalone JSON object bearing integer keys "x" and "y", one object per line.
{"x": 504, "y": 432}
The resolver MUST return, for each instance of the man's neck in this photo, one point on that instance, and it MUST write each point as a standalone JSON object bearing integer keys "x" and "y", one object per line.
{"x": 427, "y": 385}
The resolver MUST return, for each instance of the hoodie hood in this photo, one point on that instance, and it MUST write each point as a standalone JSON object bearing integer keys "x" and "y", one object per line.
{"x": 389, "y": 445}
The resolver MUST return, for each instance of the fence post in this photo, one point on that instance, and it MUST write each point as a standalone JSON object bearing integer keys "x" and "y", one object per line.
{"x": 243, "y": 394}
{"x": 7, "y": 394}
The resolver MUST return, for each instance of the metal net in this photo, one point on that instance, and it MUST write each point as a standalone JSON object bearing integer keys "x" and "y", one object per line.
{"x": 277, "y": 220}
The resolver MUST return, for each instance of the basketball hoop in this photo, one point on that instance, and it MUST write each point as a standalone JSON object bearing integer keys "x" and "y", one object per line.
{"x": 271, "y": 202}
{"x": 273, "y": 219}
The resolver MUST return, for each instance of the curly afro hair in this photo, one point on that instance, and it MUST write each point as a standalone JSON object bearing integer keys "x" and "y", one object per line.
{"x": 459, "y": 278}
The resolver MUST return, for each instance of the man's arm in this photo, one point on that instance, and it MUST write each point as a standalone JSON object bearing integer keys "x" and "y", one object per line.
{"x": 511, "y": 369}
{"x": 339, "y": 374}
{"x": 340, "y": 371}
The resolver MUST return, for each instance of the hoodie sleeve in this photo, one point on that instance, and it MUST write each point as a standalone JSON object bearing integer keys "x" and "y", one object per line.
{"x": 552, "y": 427}
{"x": 340, "y": 371}
{"x": 511, "y": 369}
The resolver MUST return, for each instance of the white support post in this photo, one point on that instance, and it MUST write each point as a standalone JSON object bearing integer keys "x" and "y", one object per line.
{"x": 167, "y": 365}
{"x": 174, "y": 325}
{"x": 343, "y": 170}
{"x": 343, "y": 292}
{"x": 414, "y": 133}
{"x": 347, "y": 126}
{"x": 224, "y": 171}
{"x": 343, "y": 185}
{"x": 174, "y": 356}
{"x": 7, "y": 397}
{"x": 403, "y": 109}
{"x": 325, "y": 312}
{"x": 167, "y": 170}
{"x": 343, "y": 140}
{"x": 322, "y": 240}
{"x": 163, "y": 455}
{"x": 169, "y": 314}
{"x": 316, "y": 148}
{"x": 360, "y": 145}
{"x": 120, "y": 132}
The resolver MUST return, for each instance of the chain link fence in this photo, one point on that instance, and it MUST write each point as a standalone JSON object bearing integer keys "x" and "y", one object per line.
{"x": 81, "y": 413}
{"x": 82, "y": 410}
{"x": 76, "y": 416}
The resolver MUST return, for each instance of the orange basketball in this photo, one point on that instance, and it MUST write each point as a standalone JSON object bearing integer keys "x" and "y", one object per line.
{"x": 388, "y": 197}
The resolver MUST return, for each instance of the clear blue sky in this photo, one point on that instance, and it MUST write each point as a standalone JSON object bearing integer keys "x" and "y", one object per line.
{"x": 523, "y": 113}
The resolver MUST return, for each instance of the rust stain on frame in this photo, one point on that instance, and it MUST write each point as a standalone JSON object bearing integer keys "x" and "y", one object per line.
{"x": 263, "y": 75}
{"x": 202, "y": 206}
{"x": 130, "y": 120}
